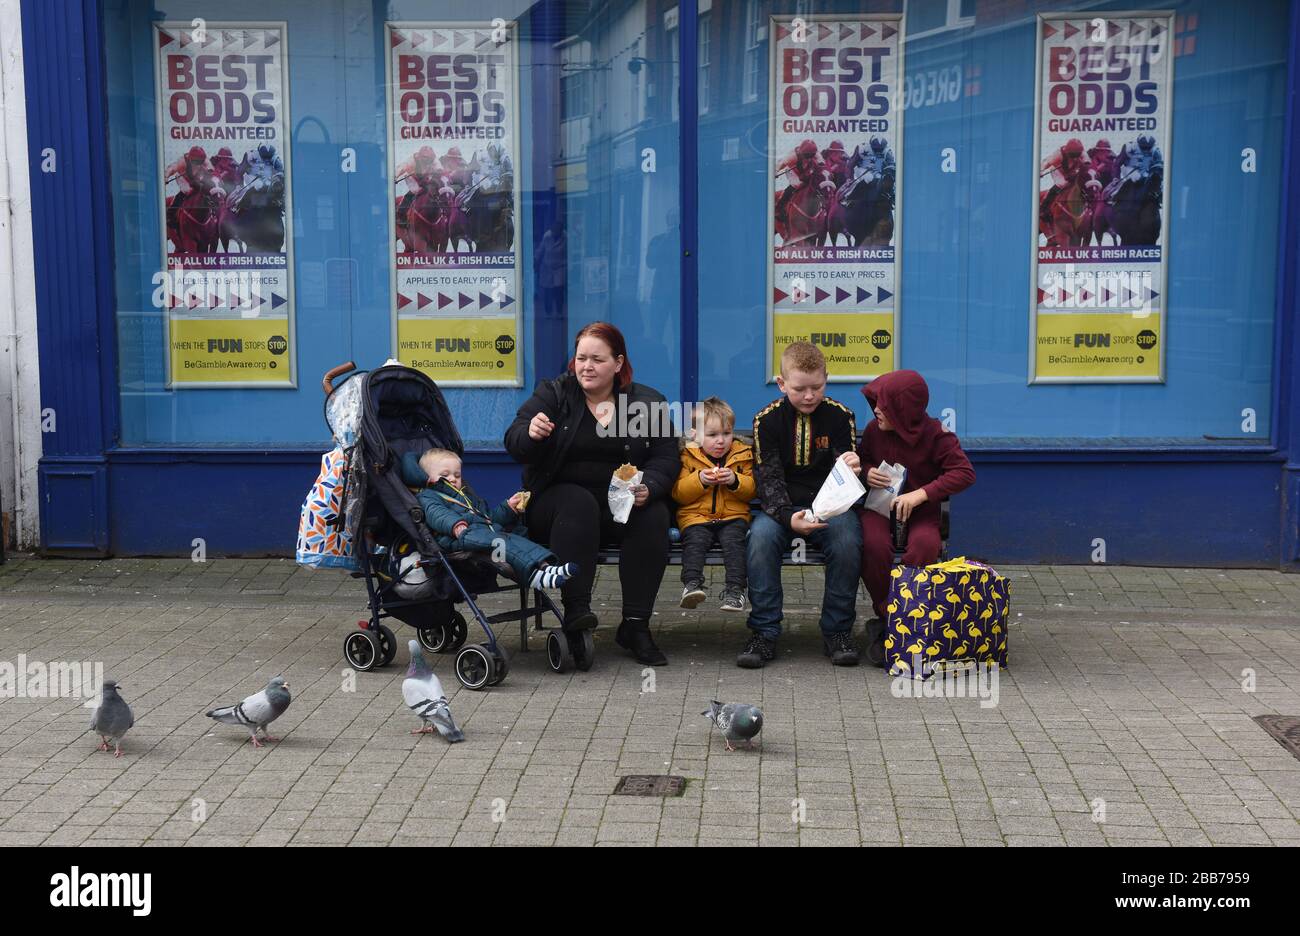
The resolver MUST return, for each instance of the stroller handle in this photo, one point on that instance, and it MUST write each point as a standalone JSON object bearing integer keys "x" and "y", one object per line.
{"x": 327, "y": 382}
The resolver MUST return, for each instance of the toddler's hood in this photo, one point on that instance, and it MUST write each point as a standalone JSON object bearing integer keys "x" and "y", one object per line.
{"x": 902, "y": 396}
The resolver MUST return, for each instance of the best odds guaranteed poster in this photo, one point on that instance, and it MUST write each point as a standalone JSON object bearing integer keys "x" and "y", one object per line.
{"x": 835, "y": 145}
{"x": 1103, "y": 108}
{"x": 223, "y": 144}
{"x": 453, "y": 142}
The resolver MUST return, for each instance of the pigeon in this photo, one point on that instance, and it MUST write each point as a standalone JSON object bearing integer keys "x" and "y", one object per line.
{"x": 736, "y": 720}
{"x": 112, "y": 717}
{"x": 257, "y": 711}
{"x": 422, "y": 691}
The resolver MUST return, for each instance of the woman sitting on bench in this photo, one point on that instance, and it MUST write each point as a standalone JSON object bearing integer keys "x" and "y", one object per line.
{"x": 571, "y": 436}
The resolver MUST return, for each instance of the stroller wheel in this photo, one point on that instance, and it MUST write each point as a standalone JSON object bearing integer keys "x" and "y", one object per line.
{"x": 501, "y": 665}
{"x": 387, "y": 645}
{"x": 584, "y": 650}
{"x": 475, "y": 667}
{"x": 362, "y": 651}
{"x": 459, "y": 631}
{"x": 558, "y": 653}
{"x": 435, "y": 639}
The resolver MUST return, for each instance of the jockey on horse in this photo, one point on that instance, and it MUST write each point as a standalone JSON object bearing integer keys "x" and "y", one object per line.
{"x": 193, "y": 177}
{"x": 874, "y": 162}
{"x": 420, "y": 173}
{"x": 806, "y": 166}
{"x": 1064, "y": 164}
{"x": 1139, "y": 161}
{"x": 836, "y": 161}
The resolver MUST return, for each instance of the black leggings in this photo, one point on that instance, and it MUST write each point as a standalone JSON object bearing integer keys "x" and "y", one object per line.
{"x": 574, "y": 521}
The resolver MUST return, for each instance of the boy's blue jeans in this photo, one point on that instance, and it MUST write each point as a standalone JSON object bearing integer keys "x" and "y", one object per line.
{"x": 840, "y": 542}
{"x": 522, "y": 554}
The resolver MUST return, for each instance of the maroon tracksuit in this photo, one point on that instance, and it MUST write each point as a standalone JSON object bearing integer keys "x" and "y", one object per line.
{"x": 934, "y": 461}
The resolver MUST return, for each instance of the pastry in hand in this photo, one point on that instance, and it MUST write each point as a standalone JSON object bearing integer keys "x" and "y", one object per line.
{"x": 522, "y": 503}
{"x": 625, "y": 472}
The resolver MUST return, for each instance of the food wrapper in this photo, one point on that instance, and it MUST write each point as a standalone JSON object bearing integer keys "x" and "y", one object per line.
{"x": 840, "y": 491}
{"x": 881, "y": 500}
{"x": 621, "y": 496}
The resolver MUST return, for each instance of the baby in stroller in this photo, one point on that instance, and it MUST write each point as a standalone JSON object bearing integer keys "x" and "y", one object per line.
{"x": 462, "y": 520}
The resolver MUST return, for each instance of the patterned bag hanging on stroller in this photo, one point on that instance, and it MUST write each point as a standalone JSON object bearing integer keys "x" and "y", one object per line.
{"x": 330, "y": 517}
{"x": 324, "y": 542}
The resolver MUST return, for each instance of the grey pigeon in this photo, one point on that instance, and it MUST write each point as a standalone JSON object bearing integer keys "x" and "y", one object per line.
{"x": 112, "y": 717}
{"x": 422, "y": 691}
{"x": 736, "y": 720}
{"x": 257, "y": 711}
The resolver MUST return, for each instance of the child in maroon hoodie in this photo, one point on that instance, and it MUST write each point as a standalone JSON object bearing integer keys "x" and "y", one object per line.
{"x": 903, "y": 433}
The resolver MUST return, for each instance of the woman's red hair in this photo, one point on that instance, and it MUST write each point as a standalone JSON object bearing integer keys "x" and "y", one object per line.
{"x": 614, "y": 339}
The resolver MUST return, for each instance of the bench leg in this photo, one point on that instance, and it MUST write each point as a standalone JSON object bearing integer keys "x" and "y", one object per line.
{"x": 523, "y": 619}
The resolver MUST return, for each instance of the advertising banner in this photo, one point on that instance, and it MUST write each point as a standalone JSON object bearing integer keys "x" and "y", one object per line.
{"x": 453, "y": 144}
{"x": 223, "y": 145}
{"x": 1101, "y": 241}
{"x": 835, "y": 140}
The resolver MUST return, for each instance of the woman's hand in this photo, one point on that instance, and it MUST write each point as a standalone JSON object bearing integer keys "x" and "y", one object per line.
{"x": 641, "y": 494}
{"x": 540, "y": 427}
{"x": 904, "y": 504}
{"x": 800, "y": 523}
{"x": 878, "y": 479}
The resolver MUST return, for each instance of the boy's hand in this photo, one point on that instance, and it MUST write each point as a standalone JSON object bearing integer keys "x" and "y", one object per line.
{"x": 852, "y": 461}
{"x": 540, "y": 427}
{"x": 723, "y": 477}
{"x": 459, "y": 529}
{"x": 878, "y": 479}
{"x": 802, "y": 525}
{"x": 707, "y": 477}
{"x": 515, "y": 502}
{"x": 904, "y": 504}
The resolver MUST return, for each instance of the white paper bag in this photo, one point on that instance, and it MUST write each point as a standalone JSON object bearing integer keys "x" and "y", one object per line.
{"x": 621, "y": 496}
{"x": 881, "y": 500}
{"x": 839, "y": 492}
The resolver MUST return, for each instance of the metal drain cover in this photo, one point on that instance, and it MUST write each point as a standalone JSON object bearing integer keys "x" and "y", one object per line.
{"x": 1285, "y": 729}
{"x": 650, "y": 785}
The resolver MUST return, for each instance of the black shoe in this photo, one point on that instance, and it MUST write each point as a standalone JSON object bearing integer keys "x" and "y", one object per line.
{"x": 758, "y": 650}
{"x": 635, "y": 636}
{"x": 584, "y": 620}
{"x": 876, "y": 643}
{"x": 692, "y": 594}
{"x": 840, "y": 648}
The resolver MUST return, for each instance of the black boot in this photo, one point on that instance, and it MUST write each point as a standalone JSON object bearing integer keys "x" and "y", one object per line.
{"x": 583, "y": 620}
{"x": 634, "y": 635}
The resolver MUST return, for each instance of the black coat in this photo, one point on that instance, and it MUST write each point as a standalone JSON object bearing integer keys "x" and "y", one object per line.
{"x": 563, "y": 401}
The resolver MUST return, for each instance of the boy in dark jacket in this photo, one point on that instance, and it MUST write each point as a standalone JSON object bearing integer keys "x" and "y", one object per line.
{"x": 463, "y": 521}
{"x": 797, "y": 440}
{"x": 904, "y": 433}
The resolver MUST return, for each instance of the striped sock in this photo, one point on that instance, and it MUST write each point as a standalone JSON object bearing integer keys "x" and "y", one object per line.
{"x": 553, "y": 576}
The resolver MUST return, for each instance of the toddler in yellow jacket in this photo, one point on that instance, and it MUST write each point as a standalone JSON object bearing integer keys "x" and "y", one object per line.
{"x": 714, "y": 489}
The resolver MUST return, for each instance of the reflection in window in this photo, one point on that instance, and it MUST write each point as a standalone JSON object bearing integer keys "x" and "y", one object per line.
{"x": 706, "y": 23}
{"x": 754, "y": 36}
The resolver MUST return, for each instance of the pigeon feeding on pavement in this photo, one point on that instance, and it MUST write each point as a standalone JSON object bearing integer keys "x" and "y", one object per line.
{"x": 422, "y": 691}
{"x": 257, "y": 711}
{"x": 736, "y": 720}
{"x": 112, "y": 717}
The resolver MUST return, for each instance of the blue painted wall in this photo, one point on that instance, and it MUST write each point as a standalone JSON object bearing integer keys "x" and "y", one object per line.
{"x": 142, "y": 480}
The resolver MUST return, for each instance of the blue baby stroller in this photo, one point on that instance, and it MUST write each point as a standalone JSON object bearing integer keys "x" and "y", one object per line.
{"x": 377, "y": 417}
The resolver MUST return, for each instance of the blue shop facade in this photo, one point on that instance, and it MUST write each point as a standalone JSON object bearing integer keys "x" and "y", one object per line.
{"x": 643, "y": 168}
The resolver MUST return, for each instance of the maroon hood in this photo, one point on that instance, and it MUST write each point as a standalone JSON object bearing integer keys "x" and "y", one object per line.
{"x": 902, "y": 396}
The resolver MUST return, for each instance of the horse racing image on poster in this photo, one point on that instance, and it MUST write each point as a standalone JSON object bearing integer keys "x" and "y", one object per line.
{"x": 1103, "y": 107}
{"x": 835, "y": 139}
{"x": 453, "y": 142}
{"x": 223, "y": 143}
